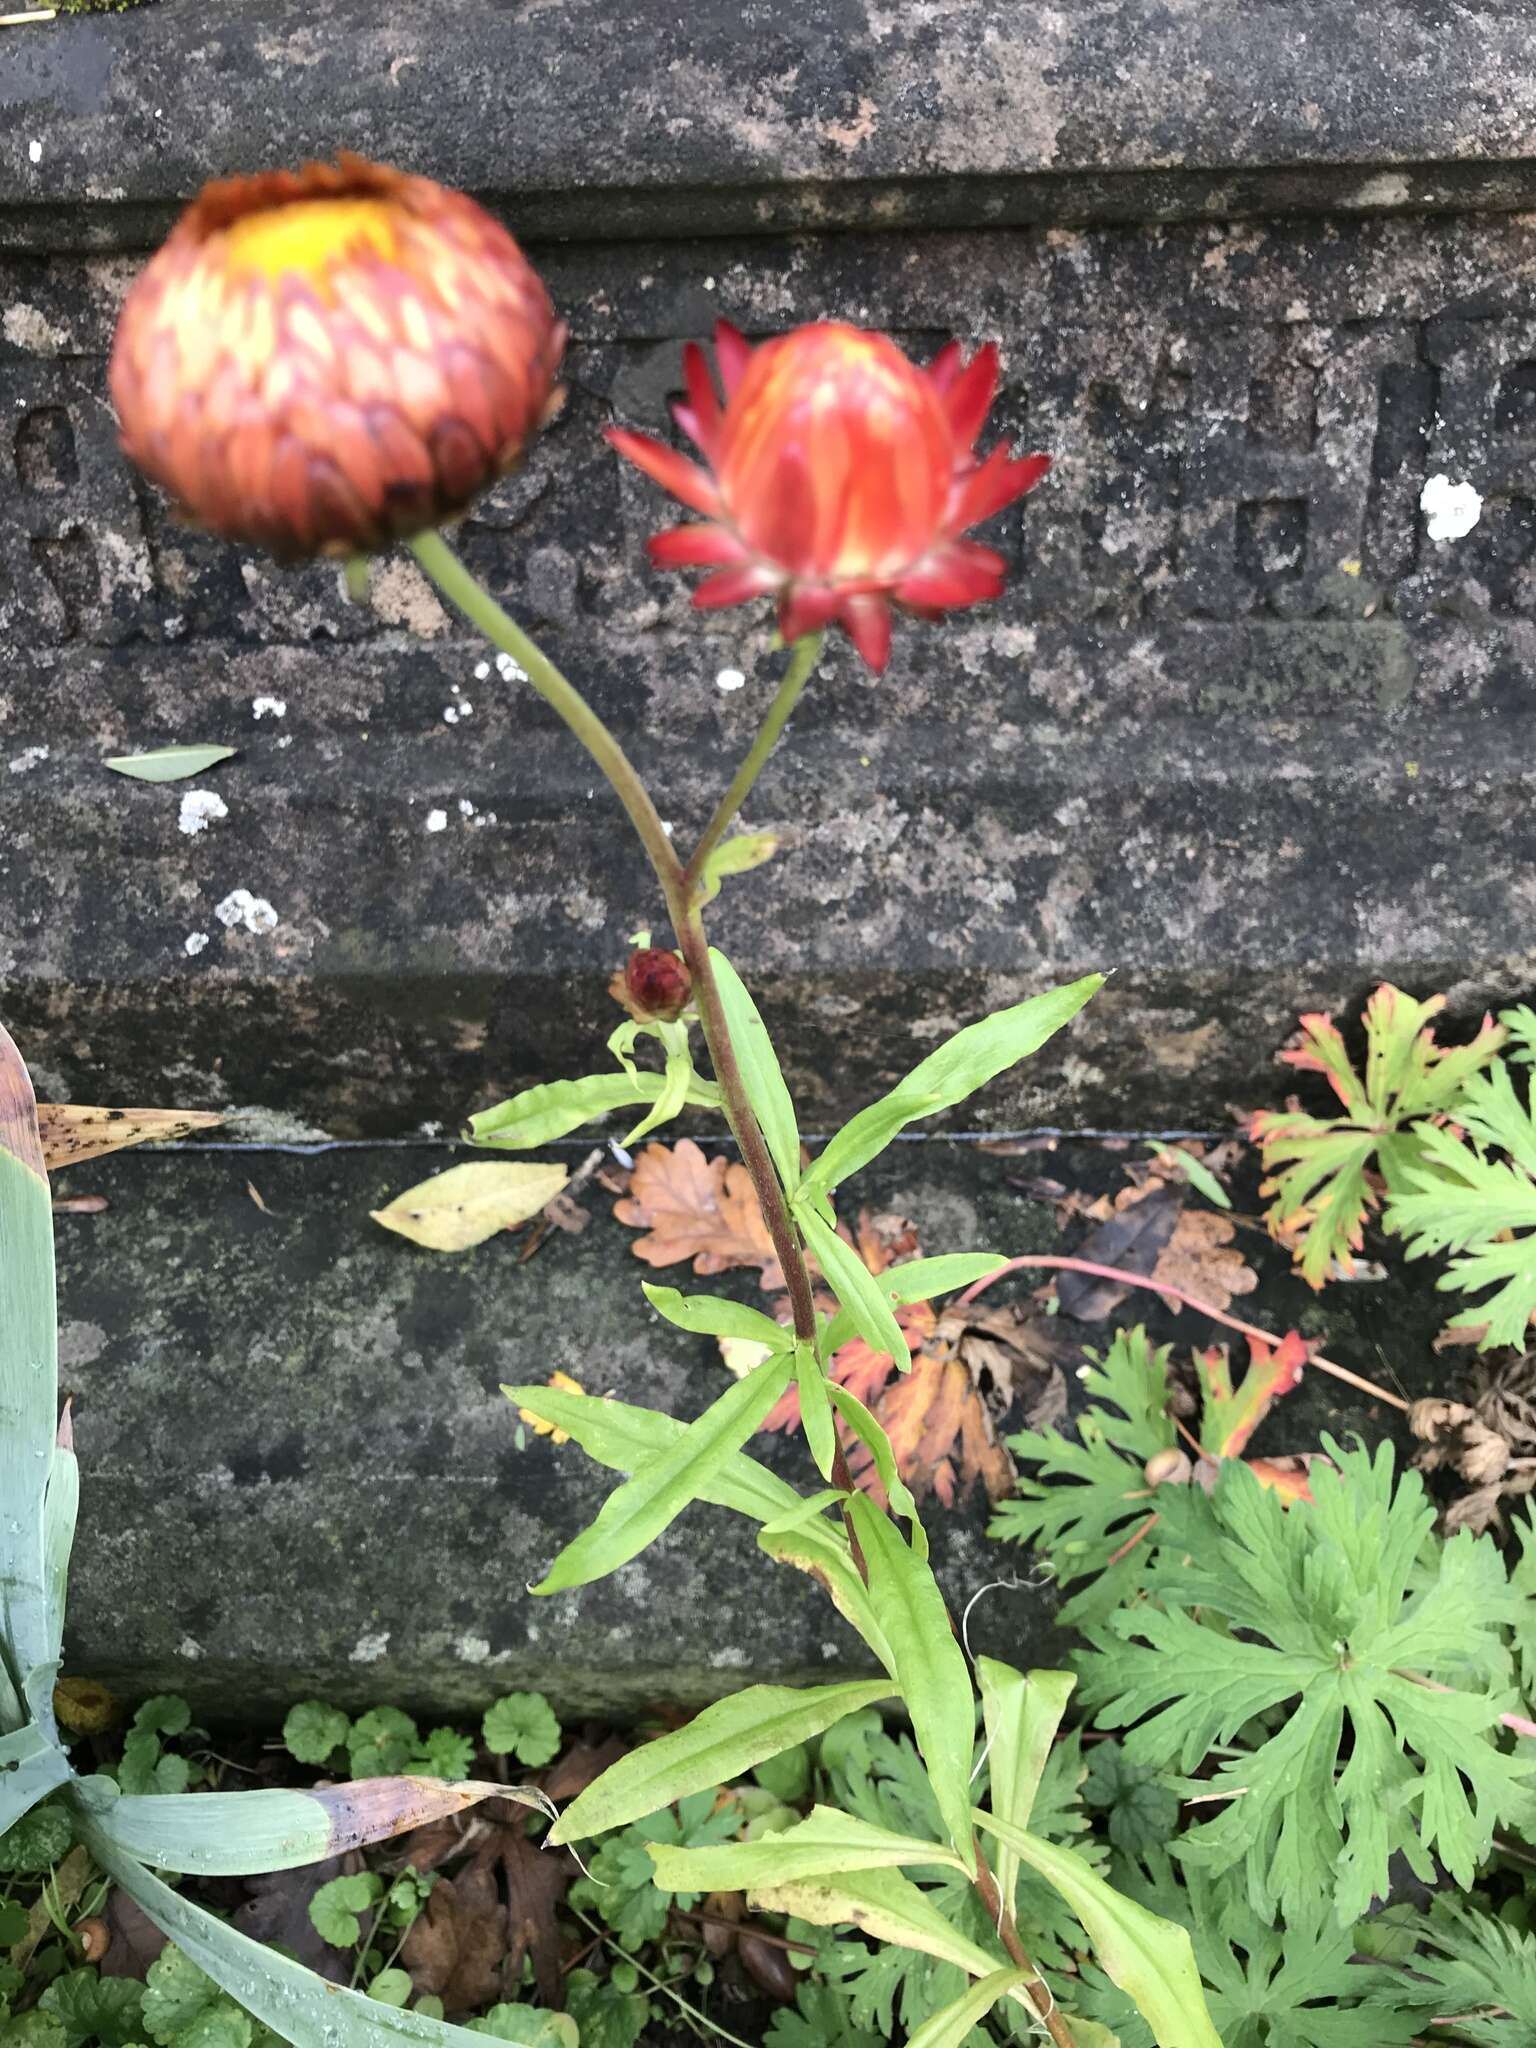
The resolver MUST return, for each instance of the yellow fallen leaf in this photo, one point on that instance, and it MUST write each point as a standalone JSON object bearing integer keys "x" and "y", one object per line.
{"x": 72, "y": 1132}
{"x": 742, "y": 1354}
{"x": 566, "y": 1385}
{"x": 470, "y": 1203}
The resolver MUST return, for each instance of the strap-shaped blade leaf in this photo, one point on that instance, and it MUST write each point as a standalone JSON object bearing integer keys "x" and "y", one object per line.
{"x": 555, "y": 1108}
{"x": 61, "y": 1506}
{"x": 712, "y": 1315}
{"x": 636, "y": 1512}
{"x": 296, "y": 2004}
{"x": 917, "y": 1280}
{"x": 732, "y": 1736}
{"x": 31, "y": 1764}
{"x": 884, "y": 1904}
{"x": 234, "y": 1834}
{"x": 1022, "y": 1714}
{"x": 948, "y": 1075}
{"x": 867, "y": 1428}
{"x": 949, "y": 2027}
{"x": 929, "y": 1665}
{"x": 760, "y": 1075}
{"x": 1151, "y": 1959}
{"x": 856, "y": 1287}
{"x": 826, "y": 1843}
{"x": 28, "y": 1384}
{"x": 815, "y": 1408}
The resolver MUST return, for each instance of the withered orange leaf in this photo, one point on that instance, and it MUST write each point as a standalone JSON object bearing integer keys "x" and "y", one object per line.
{"x": 692, "y": 1207}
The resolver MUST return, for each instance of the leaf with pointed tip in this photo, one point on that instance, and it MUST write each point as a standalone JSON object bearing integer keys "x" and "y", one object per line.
{"x": 713, "y": 1315}
{"x": 556, "y": 1108}
{"x": 71, "y": 1132}
{"x": 882, "y": 1903}
{"x": 856, "y": 1287}
{"x": 168, "y": 764}
{"x": 31, "y": 1765}
{"x": 916, "y": 1280}
{"x": 760, "y": 1072}
{"x": 1022, "y": 1714}
{"x": 456, "y": 1210}
{"x": 826, "y": 1843}
{"x": 951, "y": 2026}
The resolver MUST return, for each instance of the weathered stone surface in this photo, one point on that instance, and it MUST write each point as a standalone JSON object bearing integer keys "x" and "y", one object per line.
{"x": 1239, "y": 730}
{"x": 298, "y": 1474}
{"x": 601, "y": 119}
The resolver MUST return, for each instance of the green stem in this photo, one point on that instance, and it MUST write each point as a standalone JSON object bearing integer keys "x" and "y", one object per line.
{"x": 802, "y": 662}
{"x": 481, "y": 609}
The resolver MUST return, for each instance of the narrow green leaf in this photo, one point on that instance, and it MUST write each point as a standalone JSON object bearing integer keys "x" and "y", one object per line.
{"x": 717, "y": 1746}
{"x": 555, "y": 1108}
{"x": 917, "y": 1280}
{"x": 884, "y": 1904}
{"x": 168, "y": 764}
{"x": 1022, "y": 1714}
{"x": 677, "y": 1078}
{"x": 636, "y": 1512}
{"x": 856, "y": 1287}
{"x": 868, "y": 1430}
{"x": 296, "y": 2004}
{"x": 813, "y": 1505}
{"x": 61, "y": 1505}
{"x": 28, "y": 1388}
{"x": 929, "y": 1667}
{"x": 1195, "y": 1171}
{"x": 712, "y": 1315}
{"x": 760, "y": 1074}
{"x": 234, "y": 1834}
{"x": 815, "y": 1408}
{"x": 1151, "y": 1959}
{"x": 819, "y": 1549}
{"x": 827, "y": 1843}
{"x": 948, "y": 2028}
{"x": 948, "y": 1075}
{"x": 736, "y": 856}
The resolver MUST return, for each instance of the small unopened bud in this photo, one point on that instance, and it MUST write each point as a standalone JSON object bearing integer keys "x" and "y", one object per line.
{"x": 1168, "y": 1467}
{"x": 655, "y": 986}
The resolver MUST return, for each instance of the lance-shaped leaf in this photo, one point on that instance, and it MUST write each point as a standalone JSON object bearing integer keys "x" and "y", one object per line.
{"x": 296, "y": 2004}
{"x": 61, "y": 1505}
{"x": 712, "y": 1315}
{"x": 815, "y": 1408}
{"x": 168, "y": 764}
{"x": 468, "y": 1204}
{"x": 732, "y": 1736}
{"x": 234, "y": 1834}
{"x": 883, "y": 1904}
{"x": 917, "y": 1280}
{"x": 31, "y": 1765}
{"x": 949, "y": 2027}
{"x": 1022, "y": 1714}
{"x": 736, "y": 856}
{"x": 556, "y": 1108}
{"x": 856, "y": 1287}
{"x": 1151, "y": 1959}
{"x": 948, "y": 1075}
{"x": 72, "y": 1132}
{"x": 637, "y": 1512}
{"x": 28, "y": 1386}
{"x": 676, "y": 1080}
{"x": 929, "y": 1665}
{"x": 827, "y": 1843}
{"x": 760, "y": 1072}
{"x": 820, "y": 1549}
{"x": 867, "y": 1428}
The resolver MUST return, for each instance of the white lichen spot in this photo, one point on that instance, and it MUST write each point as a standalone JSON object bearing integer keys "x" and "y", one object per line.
{"x": 466, "y": 808}
{"x": 190, "y": 1648}
{"x": 370, "y": 1648}
{"x": 437, "y": 821}
{"x": 35, "y": 151}
{"x": 729, "y": 679}
{"x": 472, "y": 1649}
{"x": 199, "y": 809}
{"x": 240, "y": 907}
{"x": 194, "y": 943}
{"x": 509, "y": 670}
{"x": 269, "y": 707}
{"x": 29, "y": 757}
{"x": 482, "y": 671}
{"x": 450, "y": 714}
{"x": 1450, "y": 510}
{"x": 1387, "y": 188}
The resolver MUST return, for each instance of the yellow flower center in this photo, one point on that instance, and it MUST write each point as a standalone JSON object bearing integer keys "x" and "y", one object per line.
{"x": 308, "y": 235}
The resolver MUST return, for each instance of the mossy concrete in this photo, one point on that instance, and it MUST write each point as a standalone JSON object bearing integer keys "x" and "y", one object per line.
{"x": 299, "y": 1476}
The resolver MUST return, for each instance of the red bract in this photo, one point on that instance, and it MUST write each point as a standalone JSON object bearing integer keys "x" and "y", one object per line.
{"x": 840, "y": 478}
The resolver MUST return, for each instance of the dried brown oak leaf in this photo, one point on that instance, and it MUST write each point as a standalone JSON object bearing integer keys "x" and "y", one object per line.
{"x": 455, "y": 1950}
{"x": 1199, "y": 1258}
{"x": 691, "y": 1207}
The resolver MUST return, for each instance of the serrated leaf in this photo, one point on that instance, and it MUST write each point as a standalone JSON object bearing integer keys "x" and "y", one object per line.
{"x": 760, "y": 1072}
{"x": 468, "y": 1204}
{"x": 312, "y": 1731}
{"x": 1148, "y": 1957}
{"x": 636, "y": 1513}
{"x": 556, "y": 1108}
{"x": 947, "y": 1076}
{"x": 335, "y": 1909}
{"x": 168, "y": 764}
{"x": 522, "y": 1724}
{"x": 928, "y": 1665}
{"x": 717, "y": 1746}
{"x": 529, "y": 2025}
{"x": 826, "y": 1843}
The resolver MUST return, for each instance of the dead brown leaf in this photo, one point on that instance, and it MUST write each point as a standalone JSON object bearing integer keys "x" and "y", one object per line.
{"x": 1488, "y": 1440}
{"x": 536, "y": 1883}
{"x": 1133, "y": 1238}
{"x": 1452, "y": 1434}
{"x": 692, "y": 1207}
{"x": 72, "y": 1132}
{"x": 455, "y": 1949}
{"x": 277, "y": 1912}
{"x": 1200, "y": 1259}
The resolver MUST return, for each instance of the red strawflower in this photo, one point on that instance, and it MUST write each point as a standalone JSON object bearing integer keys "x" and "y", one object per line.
{"x": 840, "y": 478}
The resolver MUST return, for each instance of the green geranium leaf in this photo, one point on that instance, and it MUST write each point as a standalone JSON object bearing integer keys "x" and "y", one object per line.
{"x": 37, "y": 1841}
{"x": 95, "y": 2008}
{"x": 529, "y": 2025}
{"x": 335, "y": 1907}
{"x": 445, "y": 1754}
{"x": 313, "y": 1731}
{"x": 522, "y": 1724}
{"x": 381, "y": 1743}
{"x": 605, "y": 2016}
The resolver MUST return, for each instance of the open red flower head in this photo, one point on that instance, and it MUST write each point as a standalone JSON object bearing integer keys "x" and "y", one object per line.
{"x": 840, "y": 479}
{"x": 326, "y": 360}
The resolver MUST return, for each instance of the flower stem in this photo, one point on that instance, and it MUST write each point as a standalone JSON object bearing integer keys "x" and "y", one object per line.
{"x": 802, "y": 661}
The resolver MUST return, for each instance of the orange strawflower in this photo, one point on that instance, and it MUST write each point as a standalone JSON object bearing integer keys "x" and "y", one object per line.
{"x": 327, "y": 360}
{"x": 840, "y": 478}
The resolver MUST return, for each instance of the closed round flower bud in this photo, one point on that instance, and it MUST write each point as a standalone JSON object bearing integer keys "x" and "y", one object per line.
{"x": 839, "y": 479}
{"x": 1168, "y": 1467}
{"x": 655, "y": 986}
{"x": 327, "y": 360}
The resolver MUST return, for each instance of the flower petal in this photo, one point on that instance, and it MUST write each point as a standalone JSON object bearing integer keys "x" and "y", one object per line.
{"x": 803, "y": 610}
{"x": 945, "y": 367}
{"x": 961, "y": 573}
{"x": 969, "y": 398}
{"x": 694, "y": 546}
{"x": 703, "y": 407}
{"x": 733, "y": 586}
{"x": 733, "y": 352}
{"x": 868, "y": 621}
{"x": 996, "y": 483}
{"x": 663, "y": 465}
